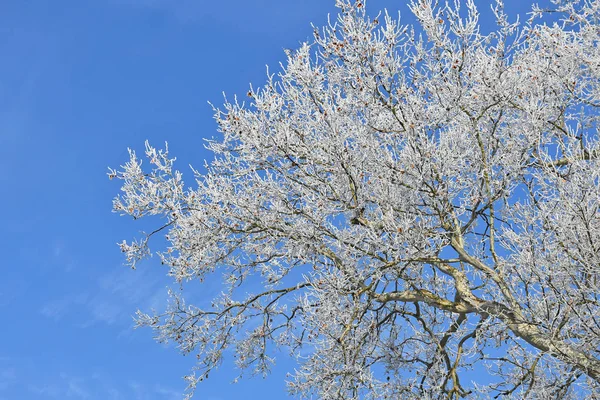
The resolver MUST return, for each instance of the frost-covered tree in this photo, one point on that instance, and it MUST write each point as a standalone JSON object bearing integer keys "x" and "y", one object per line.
{"x": 412, "y": 213}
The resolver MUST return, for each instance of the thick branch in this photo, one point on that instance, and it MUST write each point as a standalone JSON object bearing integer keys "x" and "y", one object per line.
{"x": 521, "y": 328}
{"x": 425, "y": 296}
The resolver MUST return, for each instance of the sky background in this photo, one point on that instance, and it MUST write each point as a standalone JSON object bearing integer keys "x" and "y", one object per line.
{"x": 80, "y": 81}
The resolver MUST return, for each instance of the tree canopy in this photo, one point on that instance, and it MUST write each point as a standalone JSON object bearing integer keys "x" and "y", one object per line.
{"x": 410, "y": 212}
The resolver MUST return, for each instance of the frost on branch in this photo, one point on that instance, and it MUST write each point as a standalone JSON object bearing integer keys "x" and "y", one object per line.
{"x": 397, "y": 210}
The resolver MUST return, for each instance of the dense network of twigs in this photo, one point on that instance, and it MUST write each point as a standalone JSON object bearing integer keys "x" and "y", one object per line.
{"x": 412, "y": 213}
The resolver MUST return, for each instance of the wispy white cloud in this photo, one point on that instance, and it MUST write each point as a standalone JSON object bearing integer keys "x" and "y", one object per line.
{"x": 66, "y": 386}
{"x": 48, "y": 390}
{"x": 107, "y": 385}
{"x": 8, "y": 377}
{"x": 123, "y": 291}
{"x": 75, "y": 387}
{"x": 103, "y": 310}
{"x": 112, "y": 299}
{"x": 167, "y": 393}
{"x": 57, "y": 309}
{"x": 62, "y": 255}
{"x": 159, "y": 392}
{"x": 9, "y": 373}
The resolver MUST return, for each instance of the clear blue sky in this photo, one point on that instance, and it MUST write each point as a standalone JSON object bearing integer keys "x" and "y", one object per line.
{"x": 80, "y": 81}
